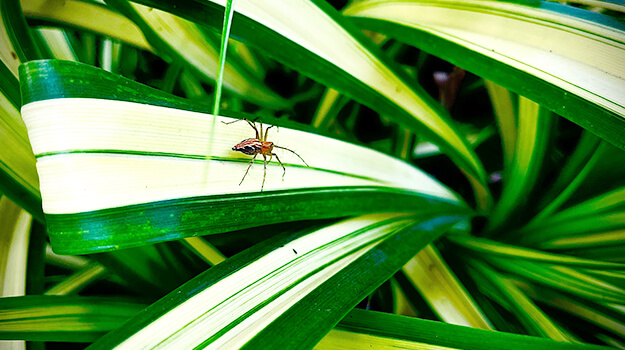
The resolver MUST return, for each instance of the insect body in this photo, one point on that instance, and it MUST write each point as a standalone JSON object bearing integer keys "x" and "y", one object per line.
{"x": 260, "y": 145}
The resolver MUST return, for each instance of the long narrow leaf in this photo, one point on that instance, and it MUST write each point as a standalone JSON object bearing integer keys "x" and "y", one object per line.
{"x": 184, "y": 42}
{"x": 15, "y": 226}
{"x": 534, "y": 133}
{"x": 563, "y": 278}
{"x": 564, "y": 58}
{"x": 530, "y": 315}
{"x": 442, "y": 290}
{"x": 590, "y": 312}
{"x": 18, "y": 175}
{"x": 314, "y": 276}
{"x": 281, "y": 29}
{"x": 447, "y": 335}
{"x": 14, "y": 232}
{"x": 164, "y": 188}
{"x": 504, "y": 110}
{"x": 503, "y": 250}
{"x": 19, "y": 33}
{"x": 66, "y": 319}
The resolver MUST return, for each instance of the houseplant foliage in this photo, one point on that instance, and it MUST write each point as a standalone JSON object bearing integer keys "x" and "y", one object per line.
{"x": 456, "y": 162}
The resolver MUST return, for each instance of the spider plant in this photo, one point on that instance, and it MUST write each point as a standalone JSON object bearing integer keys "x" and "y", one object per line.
{"x": 462, "y": 186}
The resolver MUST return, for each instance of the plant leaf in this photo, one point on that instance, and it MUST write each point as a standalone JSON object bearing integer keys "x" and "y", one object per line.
{"x": 445, "y": 335}
{"x": 282, "y": 30}
{"x": 315, "y": 276}
{"x": 14, "y": 232}
{"x": 169, "y": 35}
{"x": 480, "y": 245}
{"x": 61, "y": 318}
{"x": 442, "y": 290}
{"x": 535, "y": 51}
{"x": 18, "y": 175}
{"x": 562, "y": 278}
{"x": 532, "y": 317}
{"x": 532, "y": 142}
{"x": 504, "y": 110}
{"x": 174, "y": 192}
{"x": 18, "y": 32}
{"x": 186, "y": 44}
{"x": 582, "y": 308}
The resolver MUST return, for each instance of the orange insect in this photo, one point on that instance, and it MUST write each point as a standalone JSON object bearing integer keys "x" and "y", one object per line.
{"x": 260, "y": 145}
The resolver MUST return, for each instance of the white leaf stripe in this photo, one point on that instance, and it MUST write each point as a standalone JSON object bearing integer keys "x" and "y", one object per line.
{"x": 320, "y": 255}
{"x": 84, "y": 182}
{"x": 77, "y": 182}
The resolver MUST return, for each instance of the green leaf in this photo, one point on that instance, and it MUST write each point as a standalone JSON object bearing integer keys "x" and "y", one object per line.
{"x": 223, "y": 47}
{"x": 583, "y": 230}
{"x": 14, "y": 233}
{"x": 184, "y": 43}
{"x": 120, "y": 135}
{"x": 575, "y": 183}
{"x": 205, "y": 250}
{"x": 586, "y": 217}
{"x": 562, "y": 278}
{"x": 564, "y": 58}
{"x": 445, "y": 335}
{"x": 57, "y": 42}
{"x": 515, "y": 301}
{"x": 18, "y": 175}
{"x": 442, "y": 290}
{"x": 79, "y": 280}
{"x": 66, "y": 319}
{"x": 314, "y": 276}
{"x": 585, "y": 149}
{"x": 89, "y": 16}
{"x": 532, "y": 142}
{"x": 486, "y": 246}
{"x": 603, "y": 317}
{"x": 18, "y": 31}
{"x": 504, "y": 110}
{"x": 169, "y": 35}
{"x": 363, "y": 74}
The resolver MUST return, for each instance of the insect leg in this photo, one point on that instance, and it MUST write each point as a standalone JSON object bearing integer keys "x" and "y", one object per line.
{"x": 252, "y": 124}
{"x": 265, "y": 173}
{"x": 261, "y": 130}
{"x": 248, "y": 169}
{"x": 267, "y": 132}
{"x": 293, "y": 153}
{"x": 283, "y": 168}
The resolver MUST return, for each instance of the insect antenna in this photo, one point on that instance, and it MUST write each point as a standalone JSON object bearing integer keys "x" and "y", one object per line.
{"x": 293, "y": 153}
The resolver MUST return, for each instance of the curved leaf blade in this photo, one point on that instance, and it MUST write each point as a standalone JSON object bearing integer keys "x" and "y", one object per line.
{"x": 363, "y": 74}
{"x": 535, "y": 51}
{"x": 448, "y": 335}
{"x": 60, "y": 318}
{"x": 166, "y": 184}
{"x": 292, "y": 274}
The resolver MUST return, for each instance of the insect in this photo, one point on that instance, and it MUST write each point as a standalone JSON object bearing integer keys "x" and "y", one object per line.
{"x": 260, "y": 145}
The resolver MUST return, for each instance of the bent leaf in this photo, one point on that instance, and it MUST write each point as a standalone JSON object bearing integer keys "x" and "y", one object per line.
{"x": 349, "y": 63}
{"x": 317, "y": 277}
{"x": 161, "y": 172}
{"x": 566, "y": 59}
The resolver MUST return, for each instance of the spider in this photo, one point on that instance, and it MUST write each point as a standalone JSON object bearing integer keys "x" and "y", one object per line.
{"x": 260, "y": 145}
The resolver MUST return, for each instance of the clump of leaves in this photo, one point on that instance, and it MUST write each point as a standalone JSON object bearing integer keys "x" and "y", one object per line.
{"x": 463, "y": 171}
